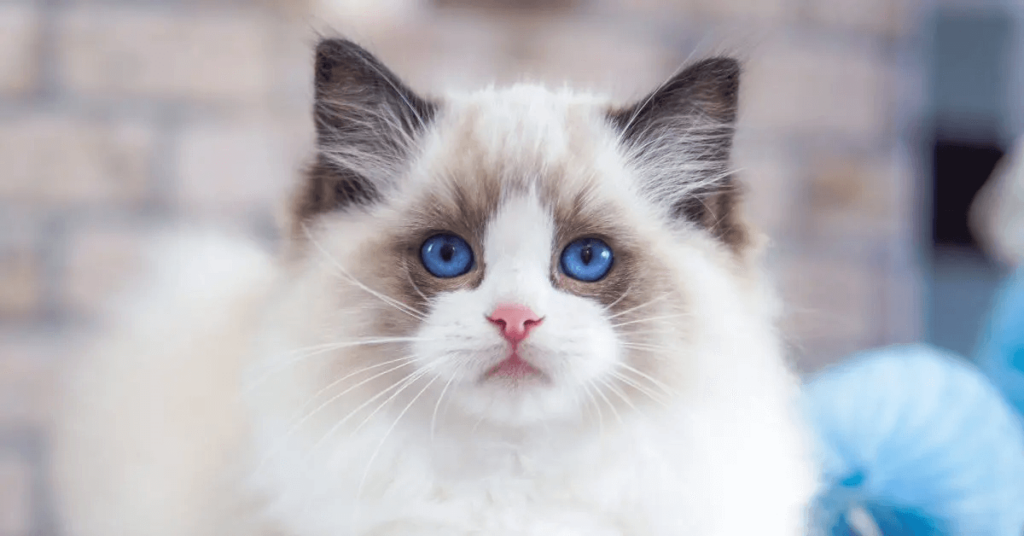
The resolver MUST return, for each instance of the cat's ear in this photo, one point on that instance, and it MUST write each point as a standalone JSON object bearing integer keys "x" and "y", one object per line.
{"x": 679, "y": 140}
{"x": 368, "y": 123}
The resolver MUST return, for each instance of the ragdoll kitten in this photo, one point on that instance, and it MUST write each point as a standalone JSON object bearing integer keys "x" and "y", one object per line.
{"x": 510, "y": 312}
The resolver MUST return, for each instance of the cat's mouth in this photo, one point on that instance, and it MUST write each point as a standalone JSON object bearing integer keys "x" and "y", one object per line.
{"x": 513, "y": 368}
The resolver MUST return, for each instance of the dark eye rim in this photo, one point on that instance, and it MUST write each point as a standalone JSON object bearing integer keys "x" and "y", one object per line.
{"x": 565, "y": 246}
{"x": 442, "y": 233}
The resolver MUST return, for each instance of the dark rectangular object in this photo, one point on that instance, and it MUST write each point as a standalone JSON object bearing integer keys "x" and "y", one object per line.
{"x": 959, "y": 170}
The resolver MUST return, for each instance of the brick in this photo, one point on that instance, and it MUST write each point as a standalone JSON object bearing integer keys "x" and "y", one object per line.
{"x": 100, "y": 263}
{"x": 152, "y": 53}
{"x": 816, "y": 88}
{"x": 28, "y": 377}
{"x": 887, "y": 17}
{"x": 19, "y": 33}
{"x": 746, "y": 10}
{"x": 760, "y": 10}
{"x": 586, "y": 57}
{"x": 240, "y": 166}
{"x": 20, "y": 284}
{"x": 434, "y": 58}
{"x": 772, "y": 182}
{"x": 64, "y": 161}
{"x": 854, "y": 196}
{"x": 15, "y": 495}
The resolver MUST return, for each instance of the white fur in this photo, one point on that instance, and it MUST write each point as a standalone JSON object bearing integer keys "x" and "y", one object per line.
{"x": 154, "y": 442}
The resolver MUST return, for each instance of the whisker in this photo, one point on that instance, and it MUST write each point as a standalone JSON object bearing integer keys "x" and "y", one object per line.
{"x": 412, "y": 379}
{"x": 362, "y": 481}
{"x": 305, "y": 418}
{"x": 597, "y": 407}
{"x": 618, "y": 392}
{"x": 611, "y": 406}
{"x": 617, "y": 300}
{"x": 669, "y": 331}
{"x": 648, "y": 319}
{"x": 334, "y": 383}
{"x": 433, "y": 418}
{"x": 364, "y": 404}
{"x": 407, "y": 309}
{"x": 640, "y": 388}
{"x": 400, "y": 306}
{"x": 400, "y": 384}
{"x": 642, "y": 305}
{"x": 408, "y": 277}
{"x": 312, "y": 351}
{"x": 645, "y": 346}
{"x": 668, "y": 390}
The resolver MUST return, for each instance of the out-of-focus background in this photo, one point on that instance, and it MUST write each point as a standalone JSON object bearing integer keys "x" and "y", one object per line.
{"x": 866, "y": 128}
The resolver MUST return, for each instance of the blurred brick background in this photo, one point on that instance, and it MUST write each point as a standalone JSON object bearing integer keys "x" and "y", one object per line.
{"x": 119, "y": 118}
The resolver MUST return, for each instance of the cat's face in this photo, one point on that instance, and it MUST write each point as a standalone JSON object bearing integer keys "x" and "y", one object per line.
{"x": 522, "y": 256}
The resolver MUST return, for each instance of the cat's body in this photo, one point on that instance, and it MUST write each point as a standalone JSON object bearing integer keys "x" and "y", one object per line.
{"x": 365, "y": 384}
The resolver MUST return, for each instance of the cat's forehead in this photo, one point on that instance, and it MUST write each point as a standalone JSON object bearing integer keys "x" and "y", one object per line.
{"x": 529, "y": 127}
{"x": 489, "y": 148}
{"x": 489, "y": 145}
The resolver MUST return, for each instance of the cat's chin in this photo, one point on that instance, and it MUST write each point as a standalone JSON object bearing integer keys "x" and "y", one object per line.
{"x": 523, "y": 399}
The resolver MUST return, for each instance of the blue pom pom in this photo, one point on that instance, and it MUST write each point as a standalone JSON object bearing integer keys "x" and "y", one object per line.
{"x": 922, "y": 441}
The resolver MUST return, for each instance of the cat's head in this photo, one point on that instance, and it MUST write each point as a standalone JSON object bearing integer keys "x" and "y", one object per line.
{"x": 520, "y": 255}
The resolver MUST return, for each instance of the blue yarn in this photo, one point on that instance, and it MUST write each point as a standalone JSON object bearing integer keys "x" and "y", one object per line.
{"x": 922, "y": 441}
{"x": 1001, "y": 349}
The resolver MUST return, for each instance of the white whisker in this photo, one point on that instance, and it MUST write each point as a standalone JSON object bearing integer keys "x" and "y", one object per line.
{"x": 312, "y": 351}
{"x": 648, "y": 347}
{"x": 334, "y": 383}
{"x": 597, "y": 407}
{"x": 338, "y": 424}
{"x": 376, "y": 451}
{"x": 412, "y": 378}
{"x": 649, "y": 319}
{"x": 668, "y": 390}
{"x": 405, "y": 308}
{"x": 611, "y": 406}
{"x": 617, "y": 300}
{"x": 639, "y": 388}
{"x": 433, "y": 418}
{"x": 618, "y": 392}
{"x": 408, "y": 276}
{"x": 294, "y": 427}
{"x": 642, "y": 305}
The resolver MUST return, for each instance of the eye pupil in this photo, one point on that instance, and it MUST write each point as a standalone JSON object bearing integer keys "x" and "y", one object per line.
{"x": 447, "y": 252}
{"x": 587, "y": 255}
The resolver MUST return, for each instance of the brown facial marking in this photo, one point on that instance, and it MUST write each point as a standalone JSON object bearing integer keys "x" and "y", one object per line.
{"x": 462, "y": 208}
{"x": 579, "y": 215}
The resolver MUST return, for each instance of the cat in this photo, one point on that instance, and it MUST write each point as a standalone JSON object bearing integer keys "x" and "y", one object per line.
{"x": 507, "y": 312}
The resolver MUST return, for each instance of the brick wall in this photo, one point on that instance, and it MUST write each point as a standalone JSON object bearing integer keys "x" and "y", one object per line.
{"x": 119, "y": 118}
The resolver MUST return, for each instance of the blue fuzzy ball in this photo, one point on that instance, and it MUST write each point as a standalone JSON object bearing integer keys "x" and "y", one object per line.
{"x": 922, "y": 441}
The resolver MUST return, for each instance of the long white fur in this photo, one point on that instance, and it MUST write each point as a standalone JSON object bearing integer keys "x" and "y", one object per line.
{"x": 160, "y": 437}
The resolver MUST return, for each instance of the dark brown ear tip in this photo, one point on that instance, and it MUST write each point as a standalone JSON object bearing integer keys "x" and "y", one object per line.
{"x": 333, "y": 52}
{"x": 724, "y": 65}
{"x": 721, "y": 71}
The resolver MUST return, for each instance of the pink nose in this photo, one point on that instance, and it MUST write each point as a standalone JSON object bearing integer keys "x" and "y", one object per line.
{"x": 515, "y": 321}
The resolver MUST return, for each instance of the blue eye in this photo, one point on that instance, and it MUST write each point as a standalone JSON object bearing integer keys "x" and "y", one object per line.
{"x": 587, "y": 259}
{"x": 446, "y": 255}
